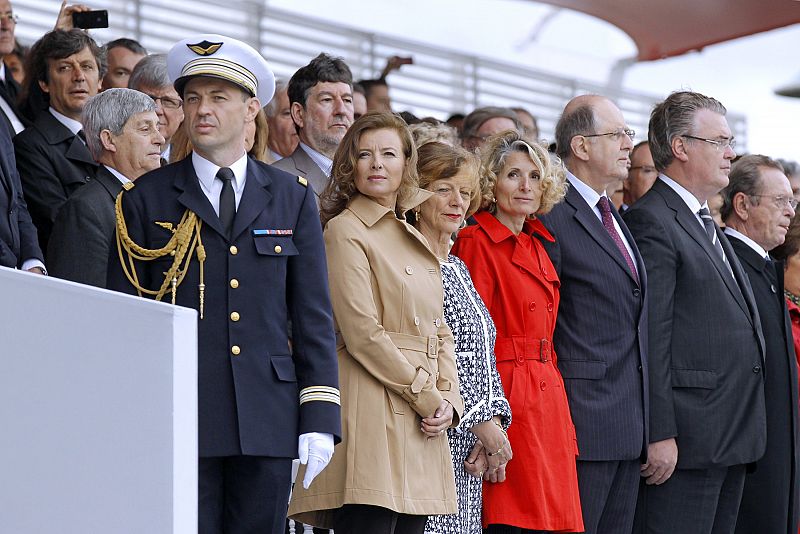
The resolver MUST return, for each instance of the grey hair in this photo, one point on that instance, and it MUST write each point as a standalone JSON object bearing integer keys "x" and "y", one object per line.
{"x": 745, "y": 177}
{"x": 151, "y": 71}
{"x": 111, "y": 110}
{"x": 271, "y": 109}
{"x": 674, "y": 117}
{"x": 579, "y": 121}
{"x": 790, "y": 167}
{"x": 475, "y": 120}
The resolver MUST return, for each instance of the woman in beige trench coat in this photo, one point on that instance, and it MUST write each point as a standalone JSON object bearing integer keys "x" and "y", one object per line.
{"x": 397, "y": 372}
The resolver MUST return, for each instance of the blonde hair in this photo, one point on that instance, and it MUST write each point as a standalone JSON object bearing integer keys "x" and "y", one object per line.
{"x": 552, "y": 175}
{"x": 342, "y": 186}
{"x": 425, "y": 132}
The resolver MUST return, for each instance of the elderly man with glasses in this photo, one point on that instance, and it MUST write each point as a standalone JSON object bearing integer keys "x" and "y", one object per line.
{"x": 151, "y": 78}
{"x": 706, "y": 346}
{"x": 600, "y": 335}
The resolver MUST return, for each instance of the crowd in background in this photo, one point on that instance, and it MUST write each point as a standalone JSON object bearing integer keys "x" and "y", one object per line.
{"x": 596, "y": 334}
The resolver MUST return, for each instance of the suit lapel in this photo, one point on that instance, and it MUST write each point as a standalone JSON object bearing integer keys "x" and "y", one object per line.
{"x": 109, "y": 182}
{"x": 193, "y": 198}
{"x": 306, "y": 167}
{"x": 56, "y": 133}
{"x": 587, "y": 218}
{"x": 255, "y": 199}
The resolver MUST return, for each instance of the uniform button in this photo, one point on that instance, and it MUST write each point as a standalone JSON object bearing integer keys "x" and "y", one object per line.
{"x": 772, "y": 287}
{"x": 542, "y": 385}
{"x": 640, "y": 368}
{"x": 636, "y": 292}
{"x": 278, "y": 249}
{"x": 235, "y": 350}
{"x": 234, "y": 283}
{"x": 550, "y": 306}
{"x": 409, "y": 269}
{"x": 234, "y": 316}
{"x": 437, "y": 322}
{"x": 532, "y": 306}
{"x": 234, "y": 250}
{"x": 416, "y": 321}
{"x": 756, "y": 369}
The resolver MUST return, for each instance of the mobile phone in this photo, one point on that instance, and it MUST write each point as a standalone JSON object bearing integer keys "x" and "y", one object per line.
{"x": 90, "y": 19}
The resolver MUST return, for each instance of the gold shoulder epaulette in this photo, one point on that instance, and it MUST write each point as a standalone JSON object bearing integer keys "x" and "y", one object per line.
{"x": 302, "y": 181}
{"x": 127, "y": 186}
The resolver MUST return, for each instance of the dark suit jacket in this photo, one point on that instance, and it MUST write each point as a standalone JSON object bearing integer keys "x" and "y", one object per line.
{"x": 706, "y": 349}
{"x": 301, "y": 164}
{"x": 52, "y": 163}
{"x": 601, "y": 334}
{"x": 770, "y": 498}
{"x": 248, "y": 402}
{"x": 83, "y": 234}
{"x": 9, "y": 91}
{"x": 18, "y": 239}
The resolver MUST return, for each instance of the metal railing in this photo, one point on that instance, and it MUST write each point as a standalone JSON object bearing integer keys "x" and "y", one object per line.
{"x": 440, "y": 82}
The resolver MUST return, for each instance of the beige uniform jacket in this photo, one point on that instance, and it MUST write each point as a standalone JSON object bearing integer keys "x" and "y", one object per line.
{"x": 396, "y": 364}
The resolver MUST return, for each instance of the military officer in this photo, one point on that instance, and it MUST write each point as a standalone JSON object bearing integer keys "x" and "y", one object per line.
{"x": 240, "y": 242}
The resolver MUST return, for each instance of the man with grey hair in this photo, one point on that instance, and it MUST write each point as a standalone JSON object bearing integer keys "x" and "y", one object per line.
{"x": 283, "y": 137}
{"x": 601, "y": 354}
{"x": 706, "y": 346}
{"x": 151, "y": 78}
{"x": 483, "y": 122}
{"x": 757, "y": 208}
{"x": 122, "y": 134}
{"x": 792, "y": 170}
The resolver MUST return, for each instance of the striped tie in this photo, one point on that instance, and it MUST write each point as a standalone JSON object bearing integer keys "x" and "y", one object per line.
{"x": 711, "y": 230}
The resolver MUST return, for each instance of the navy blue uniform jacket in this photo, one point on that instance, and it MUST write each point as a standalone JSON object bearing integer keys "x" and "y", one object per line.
{"x": 250, "y": 402}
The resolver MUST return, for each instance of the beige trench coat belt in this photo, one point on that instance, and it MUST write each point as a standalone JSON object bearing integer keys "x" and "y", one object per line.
{"x": 520, "y": 348}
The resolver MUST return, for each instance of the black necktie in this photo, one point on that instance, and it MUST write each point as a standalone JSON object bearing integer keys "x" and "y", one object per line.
{"x": 227, "y": 200}
{"x": 82, "y": 135}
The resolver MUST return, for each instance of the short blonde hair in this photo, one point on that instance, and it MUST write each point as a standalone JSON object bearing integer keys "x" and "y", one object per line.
{"x": 439, "y": 161}
{"x": 425, "y": 132}
{"x": 552, "y": 175}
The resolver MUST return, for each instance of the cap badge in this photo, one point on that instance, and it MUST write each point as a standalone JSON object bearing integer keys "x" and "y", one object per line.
{"x": 204, "y": 48}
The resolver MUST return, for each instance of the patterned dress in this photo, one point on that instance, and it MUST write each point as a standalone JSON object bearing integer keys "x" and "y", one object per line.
{"x": 481, "y": 389}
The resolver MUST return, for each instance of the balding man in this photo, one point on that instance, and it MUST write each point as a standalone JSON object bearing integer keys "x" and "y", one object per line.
{"x": 706, "y": 348}
{"x": 601, "y": 334}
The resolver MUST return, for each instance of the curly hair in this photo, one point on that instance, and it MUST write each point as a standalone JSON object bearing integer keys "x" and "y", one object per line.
{"x": 553, "y": 177}
{"x": 440, "y": 161}
{"x": 342, "y": 186}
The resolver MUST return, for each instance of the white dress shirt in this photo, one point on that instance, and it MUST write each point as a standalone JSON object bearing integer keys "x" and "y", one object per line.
{"x": 323, "y": 162}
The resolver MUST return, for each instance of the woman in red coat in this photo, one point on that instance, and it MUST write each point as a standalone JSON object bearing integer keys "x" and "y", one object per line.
{"x": 538, "y": 490}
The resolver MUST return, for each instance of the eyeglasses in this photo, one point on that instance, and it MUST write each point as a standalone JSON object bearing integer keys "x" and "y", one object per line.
{"x": 780, "y": 200}
{"x": 720, "y": 144}
{"x": 617, "y": 135}
{"x": 9, "y": 17}
{"x": 645, "y": 168}
{"x": 166, "y": 102}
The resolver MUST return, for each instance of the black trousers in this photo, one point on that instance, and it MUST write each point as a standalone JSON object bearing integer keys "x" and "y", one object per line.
{"x": 692, "y": 501}
{"x": 608, "y": 495}
{"x": 362, "y": 519}
{"x": 243, "y": 495}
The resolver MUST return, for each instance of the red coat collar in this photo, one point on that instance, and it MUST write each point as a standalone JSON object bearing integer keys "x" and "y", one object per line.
{"x": 497, "y": 231}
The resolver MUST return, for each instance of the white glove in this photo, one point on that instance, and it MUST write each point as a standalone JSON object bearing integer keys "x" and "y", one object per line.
{"x": 315, "y": 451}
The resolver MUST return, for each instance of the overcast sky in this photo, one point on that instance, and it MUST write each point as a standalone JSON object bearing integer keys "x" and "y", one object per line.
{"x": 741, "y": 73}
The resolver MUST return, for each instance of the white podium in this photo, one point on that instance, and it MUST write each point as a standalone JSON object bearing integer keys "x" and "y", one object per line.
{"x": 98, "y": 411}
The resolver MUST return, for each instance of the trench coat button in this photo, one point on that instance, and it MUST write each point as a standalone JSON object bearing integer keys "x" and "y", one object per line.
{"x": 234, "y": 283}
{"x": 636, "y": 292}
{"x": 234, "y": 316}
{"x": 234, "y": 250}
{"x": 756, "y": 369}
{"x": 640, "y": 368}
{"x": 521, "y": 358}
{"x": 235, "y": 350}
{"x": 409, "y": 269}
{"x": 532, "y": 306}
{"x": 772, "y": 288}
{"x": 278, "y": 249}
{"x": 416, "y": 321}
{"x": 549, "y": 306}
{"x": 542, "y": 385}
{"x": 437, "y": 322}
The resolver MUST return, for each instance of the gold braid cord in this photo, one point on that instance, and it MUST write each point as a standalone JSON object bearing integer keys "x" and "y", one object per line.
{"x": 185, "y": 240}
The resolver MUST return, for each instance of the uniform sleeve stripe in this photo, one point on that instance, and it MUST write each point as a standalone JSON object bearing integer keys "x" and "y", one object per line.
{"x": 319, "y": 393}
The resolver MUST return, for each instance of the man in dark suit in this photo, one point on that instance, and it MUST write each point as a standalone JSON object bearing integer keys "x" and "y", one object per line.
{"x": 321, "y": 99}
{"x": 705, "y": 345}
{"x": 19, "y": 245}
{"x": 601, "y": 352}
{"x": 757, "y": 208}
{"x": 10, "y": 116}
{"x": 52, "y": 159}
{"x": 122, "y": 132}
{"x": 262, "y": 264}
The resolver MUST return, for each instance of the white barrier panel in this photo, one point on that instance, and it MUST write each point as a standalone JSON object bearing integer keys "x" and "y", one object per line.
{"x": 98, "y": 411}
